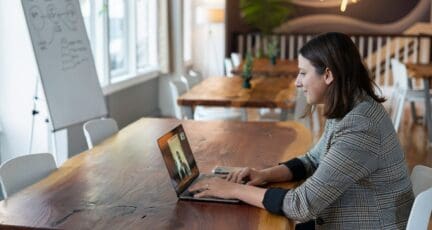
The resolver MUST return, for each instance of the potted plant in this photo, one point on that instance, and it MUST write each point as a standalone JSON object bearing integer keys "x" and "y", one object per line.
{"x": 247, "y": 71}
{"x": 272, "y": 50}
{"x": 265, "y": 15}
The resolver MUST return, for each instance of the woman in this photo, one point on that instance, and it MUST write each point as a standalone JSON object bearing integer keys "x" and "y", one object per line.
{"x": 356, "y": 175}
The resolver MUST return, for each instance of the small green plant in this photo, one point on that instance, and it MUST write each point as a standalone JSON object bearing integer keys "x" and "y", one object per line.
{"x": 272, "y": 50}
{"x": 247, "y": 71}
{"x": 247, "y": 67}
{"x": 265, "y": 15}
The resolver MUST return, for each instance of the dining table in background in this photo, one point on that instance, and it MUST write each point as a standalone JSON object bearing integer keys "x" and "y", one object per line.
{"x": 424, "y": 72}
{"x": 263, "y": 67}
{"x": 265, "y": 92}
{"x": 123, "y": 182}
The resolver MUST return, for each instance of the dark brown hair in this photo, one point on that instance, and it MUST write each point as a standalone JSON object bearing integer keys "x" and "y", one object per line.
{"x": 339, "y": 54}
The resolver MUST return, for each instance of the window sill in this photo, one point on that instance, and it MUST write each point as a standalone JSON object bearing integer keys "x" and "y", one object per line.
{"x": 121, "y": 83}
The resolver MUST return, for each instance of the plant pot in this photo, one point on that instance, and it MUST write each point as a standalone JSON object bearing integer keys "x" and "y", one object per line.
{"x": 246, "y": 83}
{"x": 273, "y": 60}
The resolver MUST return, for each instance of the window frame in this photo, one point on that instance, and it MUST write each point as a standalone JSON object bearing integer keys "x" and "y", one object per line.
{"x": 99, "y": 40}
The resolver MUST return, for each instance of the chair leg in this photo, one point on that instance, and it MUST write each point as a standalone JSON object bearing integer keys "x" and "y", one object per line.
{"x": 414, "y": 113}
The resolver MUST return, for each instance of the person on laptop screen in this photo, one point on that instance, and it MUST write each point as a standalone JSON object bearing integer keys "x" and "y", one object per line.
{"x": 182, "y": 167}
{"x": 356, "y": 176}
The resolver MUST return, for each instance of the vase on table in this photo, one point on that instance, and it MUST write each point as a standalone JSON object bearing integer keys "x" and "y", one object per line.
{"x": 246, "y": 83}
{"x": 273, "y": 60}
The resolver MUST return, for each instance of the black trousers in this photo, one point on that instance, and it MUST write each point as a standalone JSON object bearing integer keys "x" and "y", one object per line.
{"x": 310, "y": 225}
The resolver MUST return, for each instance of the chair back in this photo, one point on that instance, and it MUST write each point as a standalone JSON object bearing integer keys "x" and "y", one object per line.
{"x": 400, "y": 73}
{"x": 397, "y": 102}
{"x": 236, "y": 59}
{"x": 195, "y": 73}
{"x": 421, "y": 178}
{"x": 22, "y": 171}
{"x": 420, "y": 211}
{"x": 177, "y": 88}
{"x": 228, "y": 67}
{"x": 193, "y": 77}
{"x": 97, "y": 130}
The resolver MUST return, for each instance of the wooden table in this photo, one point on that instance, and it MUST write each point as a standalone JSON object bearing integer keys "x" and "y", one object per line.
{"x": 263, "y": 67}
{"x": 123, "y": 183}
{"x": 266, "y": 92}
{"x": 424, "y": 71}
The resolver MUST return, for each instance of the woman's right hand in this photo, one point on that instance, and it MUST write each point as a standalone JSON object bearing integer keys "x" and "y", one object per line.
{"x": 250, "y": 175}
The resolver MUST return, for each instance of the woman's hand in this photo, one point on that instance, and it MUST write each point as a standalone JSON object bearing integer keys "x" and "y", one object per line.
{"x": 249, "y": 175}
{"x": 216, "y": 187}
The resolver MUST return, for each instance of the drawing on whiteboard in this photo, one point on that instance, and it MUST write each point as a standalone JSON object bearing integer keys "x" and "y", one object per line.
{"x": 37, "y": 20}
{"x": 73, "y": 53}
{"x": 53, "y": 16}
{"x": 70, "y": 17}
{"x": 51, "y": 22}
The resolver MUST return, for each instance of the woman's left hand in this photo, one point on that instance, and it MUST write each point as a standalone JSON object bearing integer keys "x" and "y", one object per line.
{"x": 216, "y": 187}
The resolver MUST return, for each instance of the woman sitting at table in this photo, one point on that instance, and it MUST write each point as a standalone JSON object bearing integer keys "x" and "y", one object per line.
{"x": 356, "y": 175}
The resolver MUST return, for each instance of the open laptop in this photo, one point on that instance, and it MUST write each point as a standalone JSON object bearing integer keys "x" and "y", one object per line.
{"x": 181, "y": 165}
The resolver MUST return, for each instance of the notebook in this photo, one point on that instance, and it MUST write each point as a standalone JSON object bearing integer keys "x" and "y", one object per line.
{"x": 181, "y": 165}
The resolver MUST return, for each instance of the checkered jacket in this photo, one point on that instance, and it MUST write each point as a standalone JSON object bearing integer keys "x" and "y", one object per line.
{"x": 357, "y": 177}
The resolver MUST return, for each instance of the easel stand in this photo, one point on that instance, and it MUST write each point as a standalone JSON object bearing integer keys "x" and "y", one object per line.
{"x": 52, "y": 148}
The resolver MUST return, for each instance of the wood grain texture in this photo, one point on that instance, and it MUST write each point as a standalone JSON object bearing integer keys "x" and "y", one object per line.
{"x": 225, "y": 91}
{"x": 418, "y": 70}
{"x": 263, "y": 67}
{"x": 123, "y": 183}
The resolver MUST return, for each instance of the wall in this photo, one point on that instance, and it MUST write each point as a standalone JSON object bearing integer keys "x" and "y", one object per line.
{"x": 366, "y": 16}
{"x": 125, "y": 107}
{"x": 17, "y": 85}
{"x": 208, "y": 41}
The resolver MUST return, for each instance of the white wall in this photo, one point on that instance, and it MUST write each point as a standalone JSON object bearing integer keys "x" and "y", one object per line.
{"x": 166, "y": 99}
{"x": 18, "y": 74}
{"x": 17, "y": 83}
{"x": 208, "y": 45}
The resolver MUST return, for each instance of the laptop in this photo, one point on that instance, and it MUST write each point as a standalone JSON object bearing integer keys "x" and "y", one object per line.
{"x": 181, "y": 165}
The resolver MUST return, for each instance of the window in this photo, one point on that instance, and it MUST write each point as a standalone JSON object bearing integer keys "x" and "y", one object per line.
{"x": 118, "y": 37}
{"x": 123, "y": 35}
{"x": 146, "y": 48}
{"x": 187, "y": 31}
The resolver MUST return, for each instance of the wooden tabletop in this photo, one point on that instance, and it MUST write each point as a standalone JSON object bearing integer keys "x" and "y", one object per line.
{"x": 123, "y": 183}
{"x": 228, "y": 91}
{"x": 417, "y": 70}
{"x": 263, "y": 67}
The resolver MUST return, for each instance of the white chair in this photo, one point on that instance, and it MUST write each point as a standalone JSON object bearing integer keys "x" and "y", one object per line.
{"x": 236, "y": 59}
{"x": 97, "y": 130}
{"x": 22, "y": 171}
{"x": 421, "y": 178}
{"x": 179, "y": 87}
{"x": 193, "y": 77}
{"x": 397, "y": 102}
{"x": 420, "y": 211}
{"x": 228, "y": 67}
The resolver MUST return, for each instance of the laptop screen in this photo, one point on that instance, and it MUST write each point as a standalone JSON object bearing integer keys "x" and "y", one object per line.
{"x": 178, "y": 158}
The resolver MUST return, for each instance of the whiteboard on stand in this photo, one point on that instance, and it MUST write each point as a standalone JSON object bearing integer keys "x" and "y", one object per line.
{"x": 65, "y": 62}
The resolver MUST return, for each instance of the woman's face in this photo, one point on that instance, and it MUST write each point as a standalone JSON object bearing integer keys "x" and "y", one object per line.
{"x": 314, "y": 85}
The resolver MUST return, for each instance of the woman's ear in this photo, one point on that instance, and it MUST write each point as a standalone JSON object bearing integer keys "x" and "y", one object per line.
{"x": 328, "y": 76}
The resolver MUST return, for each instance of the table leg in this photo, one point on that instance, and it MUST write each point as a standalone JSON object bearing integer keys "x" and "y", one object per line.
{"x": 244, "y": 114}
{"x": 187, "y": 112}
{"x": 427, "y": 114}
{"x": 412, "y": 104}
{"x": 284, "y": 115}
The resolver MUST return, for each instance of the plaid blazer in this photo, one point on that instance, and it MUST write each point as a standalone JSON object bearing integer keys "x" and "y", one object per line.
{"x": 357, "y": 177}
